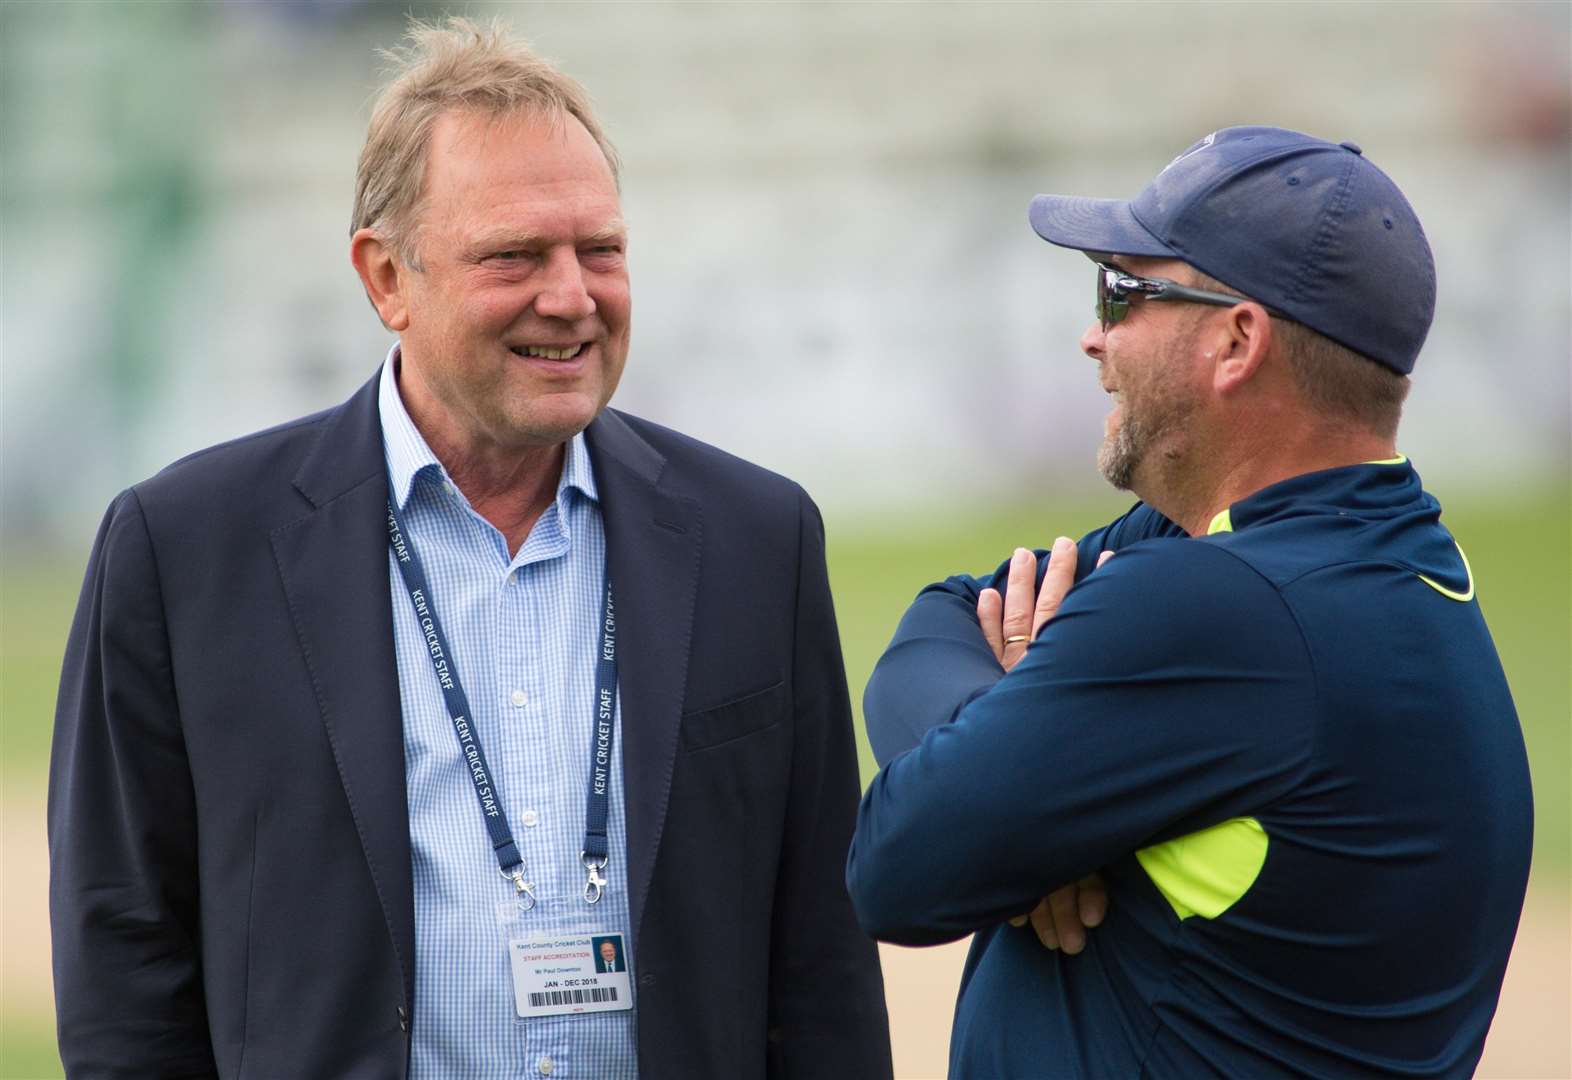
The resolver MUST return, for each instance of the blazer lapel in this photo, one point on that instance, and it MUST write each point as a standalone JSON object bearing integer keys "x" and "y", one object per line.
{"x": 334, "y": 566}
{"x": 653, "y": 542}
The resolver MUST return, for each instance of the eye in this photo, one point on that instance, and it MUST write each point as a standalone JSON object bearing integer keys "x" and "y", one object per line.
{"x": 605, "y": 257}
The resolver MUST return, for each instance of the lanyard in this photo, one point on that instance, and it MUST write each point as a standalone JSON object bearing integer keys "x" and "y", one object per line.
{"x": 595, "y": 853}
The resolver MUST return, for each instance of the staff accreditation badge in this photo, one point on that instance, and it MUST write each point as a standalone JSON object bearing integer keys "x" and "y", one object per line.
{"x": 563, "y": 976}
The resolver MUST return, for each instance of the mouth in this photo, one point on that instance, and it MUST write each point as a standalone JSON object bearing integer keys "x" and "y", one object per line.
{"x": 550, "y": 352}
{"x": 1116, "y": 413}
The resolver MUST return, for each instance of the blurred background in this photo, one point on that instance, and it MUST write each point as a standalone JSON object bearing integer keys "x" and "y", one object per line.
{"x": 833, "y": 276}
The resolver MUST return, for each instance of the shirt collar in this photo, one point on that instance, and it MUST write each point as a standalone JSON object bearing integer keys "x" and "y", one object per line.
{"x": 408, "y": 454}
{"x": 1373, "y": 489}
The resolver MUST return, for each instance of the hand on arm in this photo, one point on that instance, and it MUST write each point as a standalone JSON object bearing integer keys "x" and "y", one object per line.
{"x": 1010, "y": 623}
{"x": 938, "y": 662}
{"x": 1091, "y": 748}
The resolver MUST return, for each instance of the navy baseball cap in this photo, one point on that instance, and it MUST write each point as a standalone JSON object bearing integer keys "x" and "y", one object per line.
{"x": 1308, "y": 227}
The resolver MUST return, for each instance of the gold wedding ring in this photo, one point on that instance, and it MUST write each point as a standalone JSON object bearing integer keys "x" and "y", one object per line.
{"x": 1013, "y": 638}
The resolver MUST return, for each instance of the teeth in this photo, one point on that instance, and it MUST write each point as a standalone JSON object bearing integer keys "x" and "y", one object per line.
{"x": 550, "y": 354}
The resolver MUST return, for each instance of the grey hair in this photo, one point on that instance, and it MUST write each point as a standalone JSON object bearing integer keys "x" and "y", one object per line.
{"x": 454, "y": 64}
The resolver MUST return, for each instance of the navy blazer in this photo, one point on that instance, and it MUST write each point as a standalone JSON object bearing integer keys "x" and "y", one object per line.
{"x": 230, "y": 889}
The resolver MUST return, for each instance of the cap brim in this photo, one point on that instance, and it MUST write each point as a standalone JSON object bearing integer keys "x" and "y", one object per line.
{"x": 1104, "y": 225}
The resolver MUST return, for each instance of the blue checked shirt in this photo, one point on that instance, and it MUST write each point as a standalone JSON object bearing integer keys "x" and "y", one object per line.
{"x": 524, "y": 633}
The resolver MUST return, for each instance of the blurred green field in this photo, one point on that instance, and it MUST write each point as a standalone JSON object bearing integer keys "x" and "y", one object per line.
{"x": 27, "y": 1052}
{"x": 1520, "y": 548}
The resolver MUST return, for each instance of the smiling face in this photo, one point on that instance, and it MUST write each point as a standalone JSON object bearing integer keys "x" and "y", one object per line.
{"x": 608, "y": 953}
{"x": 518, "y": 319}
{"x": 1147, "y": 362}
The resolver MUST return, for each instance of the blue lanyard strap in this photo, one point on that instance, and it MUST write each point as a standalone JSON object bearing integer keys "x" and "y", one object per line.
{"x": 596, "y": 812}
{"x": 597, "y": 803}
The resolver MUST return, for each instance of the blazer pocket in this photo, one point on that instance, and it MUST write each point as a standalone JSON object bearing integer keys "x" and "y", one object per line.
{"x": 745, "y": 715}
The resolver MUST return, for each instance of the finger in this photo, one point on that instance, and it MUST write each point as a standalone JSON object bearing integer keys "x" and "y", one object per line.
{"x": 990, "y": 612}
{"x": 1067, "y": 919}
{"x": 1093, "y": 900}
{"x": 1042, "y": 922}
{"x": 1017, "y": 621}
{"x": 1104, "y": 557}
{"x": 1056, "y": 582}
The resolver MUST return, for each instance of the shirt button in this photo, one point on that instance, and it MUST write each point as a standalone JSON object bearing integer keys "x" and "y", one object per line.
{"x": 545, "y": 1065}
{"x": 530, "y": 819}
{"x": 520, "y": 698}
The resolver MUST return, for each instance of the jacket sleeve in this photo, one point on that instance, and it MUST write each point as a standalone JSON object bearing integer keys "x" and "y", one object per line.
{"x": 938, "y": 662}
{"x": 123, "y": 897}
{"x": 826, "y": 1012}
{"x": 1172, "y": 692}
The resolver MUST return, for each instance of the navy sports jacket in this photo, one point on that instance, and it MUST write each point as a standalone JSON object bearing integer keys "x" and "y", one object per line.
{"x": 229, "y": 841}
{"x": 1290, "y": 749}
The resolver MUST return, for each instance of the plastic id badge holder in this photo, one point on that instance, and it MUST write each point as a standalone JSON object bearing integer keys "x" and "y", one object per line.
{"x": 565, "y": 974}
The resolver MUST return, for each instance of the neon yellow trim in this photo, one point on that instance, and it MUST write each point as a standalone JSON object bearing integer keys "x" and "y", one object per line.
{"x": 1399, "y": 460}
{"x": 1207, "y": 872}
{"x": 1460, "y": 597}
{"x": 1221, "y": 523}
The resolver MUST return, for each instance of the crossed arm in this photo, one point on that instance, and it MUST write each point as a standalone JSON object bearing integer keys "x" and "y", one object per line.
{"x": 939, "y": 659}
{"x": 1118, "y": 729}
{"x": 977, "y": 647}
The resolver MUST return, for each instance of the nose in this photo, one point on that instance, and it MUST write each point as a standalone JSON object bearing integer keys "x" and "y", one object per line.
{"x": 562, "y": 293}
{"x": 1092, "y": 341}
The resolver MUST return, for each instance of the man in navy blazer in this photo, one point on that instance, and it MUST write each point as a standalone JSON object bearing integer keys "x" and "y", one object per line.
{"x": 230, "y": 826}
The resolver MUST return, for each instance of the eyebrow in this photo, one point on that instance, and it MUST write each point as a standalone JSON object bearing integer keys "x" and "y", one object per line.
{"x": 612, "y": 230}
{"x": 510, "y": 240}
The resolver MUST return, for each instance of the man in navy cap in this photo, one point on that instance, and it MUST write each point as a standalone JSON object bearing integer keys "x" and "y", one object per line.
{"x": 1273, "y": 723}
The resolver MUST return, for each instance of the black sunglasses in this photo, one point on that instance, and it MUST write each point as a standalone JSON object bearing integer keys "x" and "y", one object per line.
{"x": 1116, "y": 288}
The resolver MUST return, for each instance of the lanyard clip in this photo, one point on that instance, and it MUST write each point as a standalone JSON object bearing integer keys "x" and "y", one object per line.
{"x": 525, "y": 890}
{"x": 595, "y": 885}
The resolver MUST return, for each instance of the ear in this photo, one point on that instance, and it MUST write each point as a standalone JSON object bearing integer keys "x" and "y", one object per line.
{"x": 1243, "y": 340}
{"x": 385, "y": 277}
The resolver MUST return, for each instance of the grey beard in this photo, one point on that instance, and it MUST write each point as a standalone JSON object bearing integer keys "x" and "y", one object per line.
{"x": 1119, "y": 454}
